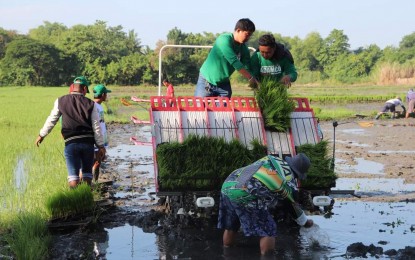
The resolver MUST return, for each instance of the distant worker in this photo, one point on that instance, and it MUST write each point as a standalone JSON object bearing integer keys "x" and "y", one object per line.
{"x": 229, "y": 53}
{"x": 170, "y": 88}
{"x": 410, "y": 99}
{"x": 80, "y": 130}
{"x": 390, "y": 105}
{"x": 274, "y": 60}
{"x": 100, "y": 96}
{"x": 248, "y": 195}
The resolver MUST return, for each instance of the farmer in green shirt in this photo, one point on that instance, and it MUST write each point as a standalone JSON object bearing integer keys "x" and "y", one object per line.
{"x": 274, "y": 60}
{"x": 249, "y": 193}
{"x": 229, "y": 53}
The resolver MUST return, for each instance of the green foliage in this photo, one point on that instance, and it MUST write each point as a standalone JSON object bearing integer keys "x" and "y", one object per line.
{"x": 216, "y": 159}
{"x": 29, "y": 62}
{"x": 30, "y": 237}
{"x": 349, "y": 68}
{"x": 69, "y": 202}
{"x": 110, "y": 55}
{"x": 321, "y": 174}
{"x": 272, "y": 99}
{"x": 335, "y": 45}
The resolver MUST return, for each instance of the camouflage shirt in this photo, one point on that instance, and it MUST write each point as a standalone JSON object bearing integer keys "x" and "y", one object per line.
{"x": 261, "y": 184}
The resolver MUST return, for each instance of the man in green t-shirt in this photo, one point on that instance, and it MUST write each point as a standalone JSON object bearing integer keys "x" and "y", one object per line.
{"x": 249, "y": 193}
{"x": 273, "y": 60}
{"x": 229, "y": 53}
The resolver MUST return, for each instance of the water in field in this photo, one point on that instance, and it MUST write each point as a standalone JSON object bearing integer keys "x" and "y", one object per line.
{"x": 386, "y": 225}
{"x": 20, "y": 175}
{"x": 124, "y": 235}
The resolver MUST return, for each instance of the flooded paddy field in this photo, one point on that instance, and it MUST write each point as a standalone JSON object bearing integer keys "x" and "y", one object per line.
{"x": 376, "y": 162}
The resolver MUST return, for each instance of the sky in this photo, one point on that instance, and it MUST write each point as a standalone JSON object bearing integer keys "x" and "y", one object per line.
{"x": 365, "y": 22}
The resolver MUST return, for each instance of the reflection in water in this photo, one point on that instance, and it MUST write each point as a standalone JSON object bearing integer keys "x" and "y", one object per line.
{"x": 362, "y": 166}
{"x": 381, "y": 185}
{"x": 387, "y": 225}
{"x": 20, "y": 176}
{"x": 130, "y": 242}
{"x": 356, "y": 131}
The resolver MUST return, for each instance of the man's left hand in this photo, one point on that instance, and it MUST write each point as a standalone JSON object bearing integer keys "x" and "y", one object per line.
{"x": 286, "y": 80}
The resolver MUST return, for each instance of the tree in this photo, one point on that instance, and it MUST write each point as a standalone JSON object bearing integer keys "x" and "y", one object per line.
{"x": 335, "y": 45}
{"x": 29, "y": 62}
{"x": 306, "y": 52}
{"x": 406, "y": 48}
{"x": 5, "y": 38}
{"x": 48, "y": 32}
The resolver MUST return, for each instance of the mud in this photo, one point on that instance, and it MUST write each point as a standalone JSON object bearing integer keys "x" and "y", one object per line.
{"x": 378, "y": 225}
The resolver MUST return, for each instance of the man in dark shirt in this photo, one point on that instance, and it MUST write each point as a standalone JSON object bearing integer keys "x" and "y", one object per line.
{"x": 80, "y": 130}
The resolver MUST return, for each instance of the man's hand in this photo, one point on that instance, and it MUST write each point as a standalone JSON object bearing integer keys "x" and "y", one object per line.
{"x": 253, "y": 83}
{"x": 309, "y": 223}
{"x": 39, "y": 140}
{"x": 286, "y": 80}
{"x": 101, "y": 154}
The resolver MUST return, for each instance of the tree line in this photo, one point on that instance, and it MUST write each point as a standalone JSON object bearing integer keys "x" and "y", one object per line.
{"x": 52, "y": 54}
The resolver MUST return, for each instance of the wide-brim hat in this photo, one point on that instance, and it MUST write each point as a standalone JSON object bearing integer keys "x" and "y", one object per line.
{"x": 300, "y": 164}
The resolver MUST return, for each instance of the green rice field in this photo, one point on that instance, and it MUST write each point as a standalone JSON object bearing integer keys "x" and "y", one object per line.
{"x": 30, "y": 174}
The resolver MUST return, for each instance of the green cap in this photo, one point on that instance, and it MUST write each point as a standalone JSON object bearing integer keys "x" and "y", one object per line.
{"x": 100, "y": 89}
{"x": 81, "y": 80}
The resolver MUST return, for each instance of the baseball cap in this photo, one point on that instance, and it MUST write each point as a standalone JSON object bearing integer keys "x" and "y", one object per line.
{"x": 100, "y": 89}
{"x": 83, "y": 81}
{"x": 300, "y": 164}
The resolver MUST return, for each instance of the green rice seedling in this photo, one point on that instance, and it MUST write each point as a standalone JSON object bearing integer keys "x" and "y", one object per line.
{"x": 178, "y": 169}
{"x": 258, "y": 150}
{"x": 332, "y": 114}
{"x": 272, "y": 99}
{"x": 69, "y": 202}
{"x": 29, "y": 238}
{"x": 320, "y": 175}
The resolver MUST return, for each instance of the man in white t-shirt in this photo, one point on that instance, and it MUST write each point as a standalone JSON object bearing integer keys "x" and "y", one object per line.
{"x": 390, "y": 105}
{"x": 100, "y": 95}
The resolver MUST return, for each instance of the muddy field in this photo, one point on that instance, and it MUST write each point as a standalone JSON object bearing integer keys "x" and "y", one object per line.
{"x": 375, "y": 159}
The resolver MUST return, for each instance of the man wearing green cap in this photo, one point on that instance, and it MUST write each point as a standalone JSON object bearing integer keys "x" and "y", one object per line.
{"x": 100, "y": 95}
{"x": 81, "y": 130}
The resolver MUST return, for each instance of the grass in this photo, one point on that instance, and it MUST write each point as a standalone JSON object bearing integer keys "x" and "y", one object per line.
{"x": 29, "y": 175}
{"x": 63, "y": 204}
{"x": 30, "y": 237}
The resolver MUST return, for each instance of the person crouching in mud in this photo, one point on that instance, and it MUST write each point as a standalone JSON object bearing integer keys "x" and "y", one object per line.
{"x": 390, "y": 105}
{"x": 249, "y": 193}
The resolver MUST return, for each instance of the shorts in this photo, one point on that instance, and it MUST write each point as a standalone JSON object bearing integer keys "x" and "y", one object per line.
{"x": 388, "y": 106}
{"x": 79, "y": 156}
{"x": 253, "y": 221}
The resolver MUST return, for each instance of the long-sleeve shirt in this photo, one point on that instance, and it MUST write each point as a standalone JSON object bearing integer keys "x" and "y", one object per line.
{"x": 80, "y": 119}
{"x": 276, "y": 68}
{"x": 410, "y": 95}
{"x": 396, "y": 102}
{"x": 262, "y": 184}
{"x": 224, "y": 58}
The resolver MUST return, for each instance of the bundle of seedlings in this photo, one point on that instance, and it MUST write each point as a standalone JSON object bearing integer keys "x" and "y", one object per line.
{"x": 71, "y": 202}
{"x": 202, "y": 162}
{"x": 320, "y": 175}
{"x": 275, "y": 105}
